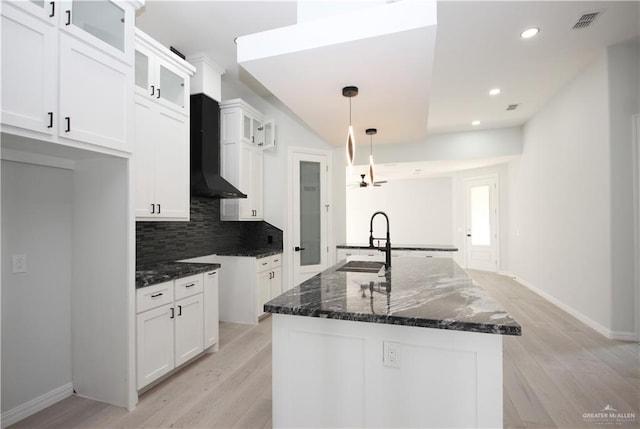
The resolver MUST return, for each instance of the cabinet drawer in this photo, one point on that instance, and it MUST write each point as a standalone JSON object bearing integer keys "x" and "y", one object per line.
{"x": 188, "y": 286}
{"x": 263, "y": 264}
{"x": 276, "y": 260}
{"x": 154, "y": 296}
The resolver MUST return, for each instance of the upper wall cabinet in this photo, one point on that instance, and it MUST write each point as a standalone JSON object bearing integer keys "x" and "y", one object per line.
{"x": 242, "y": 138}
{"x": 161, "y": 132}
{"x": 162, "y": 78}
{"x": 76, "y": 60}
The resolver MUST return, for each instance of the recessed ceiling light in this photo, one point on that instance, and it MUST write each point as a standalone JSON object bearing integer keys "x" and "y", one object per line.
{"x": 475, "y": 123}
{"x": 495, "y": 91}
{"x": 529, "y": 32}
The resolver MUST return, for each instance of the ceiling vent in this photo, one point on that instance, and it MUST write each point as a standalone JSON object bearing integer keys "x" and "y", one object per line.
{"x": 586, "y": 20}
{"x": 512, "y": 107}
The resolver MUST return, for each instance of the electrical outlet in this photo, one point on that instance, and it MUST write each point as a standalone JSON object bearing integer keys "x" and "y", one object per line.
{"x": 391, "y": 354}
{"x": 19, "y": 263}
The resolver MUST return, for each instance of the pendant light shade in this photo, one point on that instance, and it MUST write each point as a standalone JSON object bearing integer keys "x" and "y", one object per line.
{"x": 371, "y": 132}
{"x": 350, "y": 92}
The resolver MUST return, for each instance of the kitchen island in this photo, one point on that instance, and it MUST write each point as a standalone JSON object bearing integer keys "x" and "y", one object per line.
{"x": 418, "y": 345}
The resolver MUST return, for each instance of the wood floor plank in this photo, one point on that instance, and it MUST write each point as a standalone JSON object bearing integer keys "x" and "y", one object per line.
{"x": 555, "y": 372}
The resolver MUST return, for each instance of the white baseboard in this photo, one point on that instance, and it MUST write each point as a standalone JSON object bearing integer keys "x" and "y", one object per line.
{"x": 612, "y": 335}
{"x": 33, "y": 406}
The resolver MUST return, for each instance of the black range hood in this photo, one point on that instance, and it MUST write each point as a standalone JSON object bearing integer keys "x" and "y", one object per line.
{"x": 205, "y": 151}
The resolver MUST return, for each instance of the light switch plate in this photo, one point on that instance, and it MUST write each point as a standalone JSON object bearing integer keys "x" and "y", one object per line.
{"x": 19, "y": 263}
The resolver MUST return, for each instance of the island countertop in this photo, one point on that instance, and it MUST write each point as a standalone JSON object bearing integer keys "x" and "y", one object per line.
{"x": 423, "y": 292}
{"x": 426, "y": 247}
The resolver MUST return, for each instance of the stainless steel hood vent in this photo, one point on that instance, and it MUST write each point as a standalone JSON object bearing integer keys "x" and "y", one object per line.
{"x": 206, "y": 180}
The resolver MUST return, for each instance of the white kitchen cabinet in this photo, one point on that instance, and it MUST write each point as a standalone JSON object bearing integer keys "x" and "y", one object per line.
{"x": 189, "y": 324}
{"x": 242, "y": 159}
{"x": 161, "y": 75}
{"x": 211, "y": 325}
{"x": 170, "y": 326}
{"x": 246, "y": 284}
{"x": 269, "y": 280}
{"x": 75, "y": 58}
{"x": 161, "y": 136}
{"x": 31, "y": 63}
{"x": 89, "y": 74}
{"x": 155, "y": 337}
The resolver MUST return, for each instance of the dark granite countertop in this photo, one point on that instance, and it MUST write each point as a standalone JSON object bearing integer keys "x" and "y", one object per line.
{"x": 167, "y": 271}
{"x": 256, "y": 253}
{"x": 423, "y": 292}
{"x": 429, "y": 247}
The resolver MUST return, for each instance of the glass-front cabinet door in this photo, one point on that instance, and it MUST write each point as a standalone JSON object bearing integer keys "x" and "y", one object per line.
{"x": 142, "y": 71}
{"x": 101, "y": 18}
{"x": 171, "y": 87}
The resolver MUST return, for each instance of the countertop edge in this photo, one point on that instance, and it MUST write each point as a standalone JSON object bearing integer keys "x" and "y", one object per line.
{"x": 164, "y": 274}
{"x": 453, "y": 325}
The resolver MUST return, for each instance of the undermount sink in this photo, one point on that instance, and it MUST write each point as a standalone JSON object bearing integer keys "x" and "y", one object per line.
{"x": 362, "y": 266}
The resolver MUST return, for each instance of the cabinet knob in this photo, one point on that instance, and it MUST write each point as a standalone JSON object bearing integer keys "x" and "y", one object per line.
{"x": 156, "y": 295}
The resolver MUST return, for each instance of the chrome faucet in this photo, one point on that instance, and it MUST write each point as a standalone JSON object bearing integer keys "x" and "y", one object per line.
{"x": 387, "y": 247}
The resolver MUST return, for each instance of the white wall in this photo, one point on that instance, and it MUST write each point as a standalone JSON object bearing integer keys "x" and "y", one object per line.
{"x": 36, "y": 326}
{"x": 463, "y": 145}
{"x": 420, "y": 211}
{"x": 623, "y": 62}
{"x": 571, "y": 223}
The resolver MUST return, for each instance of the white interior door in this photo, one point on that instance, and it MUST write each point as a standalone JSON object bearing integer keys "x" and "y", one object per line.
{"x": 310, "y": 209}
{"x": 482, "y": 223}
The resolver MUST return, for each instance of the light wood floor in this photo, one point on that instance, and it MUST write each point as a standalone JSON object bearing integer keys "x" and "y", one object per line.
{"x": 557, "y": 371}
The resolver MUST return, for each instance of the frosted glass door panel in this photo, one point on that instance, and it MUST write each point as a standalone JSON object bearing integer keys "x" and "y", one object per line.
{"x": 101, "y": 18}
{"x": 142, "y": 70}
{"x": 310, "y": 213}
{"x": 480, "y": 216}
{"x": 171, "y": 87}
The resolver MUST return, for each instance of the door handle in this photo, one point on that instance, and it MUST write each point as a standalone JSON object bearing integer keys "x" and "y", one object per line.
{"x": 68, "y": 119}
{"x": 50, "y": 119}
{"x": 158, "y": 208}
{"x": 153, "y": 208}
{"x": 53, "y": 9}
{"x": 297, "y": 249}
{"x": 173, "y": 314}
{"x": 158, "y": 96}
{"x": 153, "y": 90}
{"x": 68, "y": 18}
{"x": 179, "y": 310}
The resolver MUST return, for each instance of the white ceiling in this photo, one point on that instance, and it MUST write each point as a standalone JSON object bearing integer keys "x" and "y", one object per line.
{"x": 478, "y": 47}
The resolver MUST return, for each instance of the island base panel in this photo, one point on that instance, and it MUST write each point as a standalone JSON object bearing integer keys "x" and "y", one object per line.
{"x": 330, "y": 373}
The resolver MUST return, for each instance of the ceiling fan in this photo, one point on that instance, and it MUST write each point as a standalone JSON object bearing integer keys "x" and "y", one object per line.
{"x": 364, "y": 184}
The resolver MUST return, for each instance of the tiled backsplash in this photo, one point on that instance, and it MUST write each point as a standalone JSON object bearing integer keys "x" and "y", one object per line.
{"x": 205, "y": 234}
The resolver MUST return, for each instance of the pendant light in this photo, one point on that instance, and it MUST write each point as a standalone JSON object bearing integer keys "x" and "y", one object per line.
{"x": 350, "y": 92}
{"x": 371, "y": 132}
